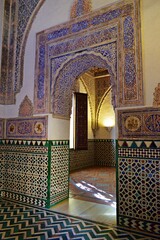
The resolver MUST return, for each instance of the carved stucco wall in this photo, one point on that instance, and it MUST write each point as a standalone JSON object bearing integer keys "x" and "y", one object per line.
{"x": 80, "y": 7}
{"x": 102, "y": 29}
{"x": 17, "y": 21}
{"x": 61, "y": 104}
{"x": 26, "y": 108}
{"x": 108, "y": 38}
{"x": 139, "y": 123}
{"x": 156, "y": 96}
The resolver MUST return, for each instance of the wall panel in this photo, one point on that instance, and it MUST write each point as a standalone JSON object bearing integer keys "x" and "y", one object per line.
{"x": 33, "y": 171}
{"x": 138, "y": 185}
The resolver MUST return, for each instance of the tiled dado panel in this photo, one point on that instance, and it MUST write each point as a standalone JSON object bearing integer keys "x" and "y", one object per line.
{"x": 59, "y": 171}
{"x": 139, "y": 185}
{"x": 100, "y": 153}
{"x": 26, "y": 174}
{"x": 24, "y": 167}
{"x": 105, "y": 152}
{"x": 82, "y": 158}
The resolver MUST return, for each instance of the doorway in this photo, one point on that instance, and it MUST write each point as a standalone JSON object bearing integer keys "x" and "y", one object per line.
{"x": 92, "y": 187}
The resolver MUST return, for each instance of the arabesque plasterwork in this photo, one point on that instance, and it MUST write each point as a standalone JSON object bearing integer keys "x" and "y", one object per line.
{"x": 108, "y": 38}
{"x": 156, "y": 95}
{"x": 27, "y": 128}
{"x": 139, "y": 123}
{"x": 17, "y": 21}
{"x": 80, "y": 7}
{"x": 26, "y": 108}
{"x": 65, "y": 80}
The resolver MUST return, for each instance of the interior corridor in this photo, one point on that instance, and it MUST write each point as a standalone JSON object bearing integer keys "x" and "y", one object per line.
{"x": 92, "y": 195}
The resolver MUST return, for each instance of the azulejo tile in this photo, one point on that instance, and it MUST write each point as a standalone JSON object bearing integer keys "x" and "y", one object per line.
{"x": 138, "y": 184}
{"x": 34, "y": 172}
{"x": 26, "y": 222}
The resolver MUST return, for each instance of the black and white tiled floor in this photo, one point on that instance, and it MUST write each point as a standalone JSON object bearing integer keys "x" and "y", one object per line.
{"x": 91, "y": 201}
{"x": 19, "y": 222}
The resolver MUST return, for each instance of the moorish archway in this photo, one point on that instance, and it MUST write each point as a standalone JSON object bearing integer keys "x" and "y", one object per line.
{"x": 113, "y": 34}
{"x": 64, "y": 83}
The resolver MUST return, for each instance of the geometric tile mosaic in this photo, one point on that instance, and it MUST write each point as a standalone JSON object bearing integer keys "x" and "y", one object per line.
{"x": 59, "y": 180}
{"x": 139, "y": 153}
{"x": 25, "y": 222}
{"x": 101, "y": 152}
{"x": 137, "y": 194}
{"x": 24, "y": 170}
{"x": 83, "y": 158}
{"x": 139, "y": 123}
{"x": 145, "y": 226}
{"x": 139, "y": 185}
{"x": 27, "y": 128}
{"x": 105, "y": 152}
{"x": 139, "y": 144}
{"x": 34, "y": 172}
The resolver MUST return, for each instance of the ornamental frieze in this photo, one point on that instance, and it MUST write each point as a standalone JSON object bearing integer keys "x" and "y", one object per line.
{"x": 139, "y": 123}
{"x": 27, "y": 128}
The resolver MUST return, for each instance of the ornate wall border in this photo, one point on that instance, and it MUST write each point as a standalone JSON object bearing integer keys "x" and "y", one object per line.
{"x": 27, "y": 128}
{"x": 18, "y": 18}
{"x": 139, "y": 123}
{"x": 119, "y": 23}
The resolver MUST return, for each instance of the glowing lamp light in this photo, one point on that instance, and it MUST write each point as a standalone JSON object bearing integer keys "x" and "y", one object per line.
{"x": 109, "y": 124}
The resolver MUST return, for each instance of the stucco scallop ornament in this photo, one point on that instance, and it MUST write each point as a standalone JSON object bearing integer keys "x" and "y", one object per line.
{"x": 26, "y": 108}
